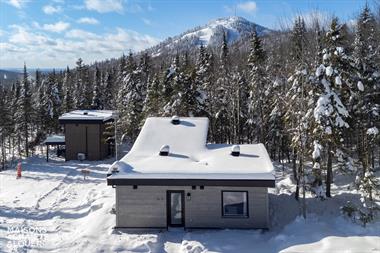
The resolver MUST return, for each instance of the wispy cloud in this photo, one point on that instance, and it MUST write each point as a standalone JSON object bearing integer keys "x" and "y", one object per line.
{"x": 50, "y": 9}
{"x": 17, "y": 3}
{"x": 56, "y": 27}
{"x": 88, "y": 20}
{"x": 248, "y": 7}
{"x": 33, "y": 44}
{"x": 103, "y": 6}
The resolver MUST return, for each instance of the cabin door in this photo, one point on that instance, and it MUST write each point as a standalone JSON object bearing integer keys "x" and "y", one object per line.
{"x": 175, "y": 208}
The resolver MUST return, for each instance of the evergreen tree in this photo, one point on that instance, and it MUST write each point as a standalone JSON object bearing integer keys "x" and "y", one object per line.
{"x": 366, "y": 104}
{"x": 68, "y": 101}
{"x": 222, "y": 96}
{"x": 257, "y": 86}
{"x": 24, "y": 112}
{"x": 330, "y": 112}
{"x": 97, "y": 101}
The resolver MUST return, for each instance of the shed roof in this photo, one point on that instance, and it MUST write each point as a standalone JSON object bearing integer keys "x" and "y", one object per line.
{"x": 190, "y": 158}
{"x": 88, "y": 115}
{"x": 55, "y": 139}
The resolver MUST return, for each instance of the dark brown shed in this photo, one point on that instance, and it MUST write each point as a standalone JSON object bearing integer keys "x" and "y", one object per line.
{"x": 85, "y": 133}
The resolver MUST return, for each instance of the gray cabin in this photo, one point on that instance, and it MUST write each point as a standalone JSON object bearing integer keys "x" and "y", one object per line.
{"x": 172, "y": 178}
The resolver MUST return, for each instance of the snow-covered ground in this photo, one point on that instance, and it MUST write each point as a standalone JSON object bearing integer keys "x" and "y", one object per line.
{"x": 53, "y": 209}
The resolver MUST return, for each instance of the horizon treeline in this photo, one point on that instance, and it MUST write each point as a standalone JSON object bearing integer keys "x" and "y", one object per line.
{"x": 310, "y": 94}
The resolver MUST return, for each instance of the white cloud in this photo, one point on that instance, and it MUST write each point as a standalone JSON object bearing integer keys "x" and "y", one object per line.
{"x": 57, "y": 27}
{"x": 81, "y": 34}
{"x": 249, "y": 6}
{"x": 50, "y": 9}
{"x": 17, "y": 3}
{"x": 24, "y": 37}
{"x": 87, "y": 20}
{"x": 45, "y": 50}
{"x": 103, "y": 6}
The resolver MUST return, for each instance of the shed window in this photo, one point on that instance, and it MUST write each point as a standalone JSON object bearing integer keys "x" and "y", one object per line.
{"x": 235, "y": 204}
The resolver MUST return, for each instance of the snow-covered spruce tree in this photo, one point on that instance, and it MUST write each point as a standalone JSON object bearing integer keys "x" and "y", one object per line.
{"x": 168, "y": 83}
{"x": 204, "y": 80}
{"x": 130, "y": 100}
{"x": 87, "y": 87}
{"x": 223, "y": 96}
{"x": 68, "y": 101}
{"x": 330, "y": 111}
{"x": 299, "y": 113}
{"x": 109, "y": 90}
{"x": 78, "y": 91}
{"x": 24, "y": 112}
{"x": 366, "y": 106}
{"x": 97, "y": 101}
{"x": 5, "y": 123}
{"x": 258, "y": 81}
{"x": 51, "y": 102}
{"x": 152, "y": 103}
{"x": 239, "y": 106}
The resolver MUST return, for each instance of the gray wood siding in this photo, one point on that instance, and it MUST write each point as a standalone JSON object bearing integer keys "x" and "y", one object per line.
{"x": 146, "y": 207}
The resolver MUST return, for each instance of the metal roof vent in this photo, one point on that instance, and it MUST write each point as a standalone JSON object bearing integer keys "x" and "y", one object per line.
{"x": 164, "y": 150}
{"x": 175, "y": 120}
{"x": 235, "y": 150}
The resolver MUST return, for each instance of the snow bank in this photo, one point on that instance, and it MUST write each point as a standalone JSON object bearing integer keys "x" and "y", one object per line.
{"x": 77, "y": 216}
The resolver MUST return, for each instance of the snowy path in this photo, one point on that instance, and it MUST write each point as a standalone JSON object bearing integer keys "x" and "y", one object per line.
{"x": 75, "y": 216}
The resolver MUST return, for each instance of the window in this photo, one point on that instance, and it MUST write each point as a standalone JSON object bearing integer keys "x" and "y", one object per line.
{"x": 235, "y": 204}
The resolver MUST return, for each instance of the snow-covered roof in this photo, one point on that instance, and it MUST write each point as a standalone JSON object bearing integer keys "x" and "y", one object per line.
{"x": 55, "y": 139}
{"x": 91, "y": 115}
{"x": 189, "y": 156}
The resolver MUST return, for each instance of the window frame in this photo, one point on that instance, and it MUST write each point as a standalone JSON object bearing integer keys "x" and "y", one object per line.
{"x": 234, "y": 216}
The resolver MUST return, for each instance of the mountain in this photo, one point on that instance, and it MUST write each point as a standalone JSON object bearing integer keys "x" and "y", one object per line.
{"x": 7, "y": 77}
{"x": 235, "y": 28}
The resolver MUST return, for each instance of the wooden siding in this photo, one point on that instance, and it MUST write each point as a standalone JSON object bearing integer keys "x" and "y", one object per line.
{"x": 145, "y": 207}
{"x": 85, "y": 138}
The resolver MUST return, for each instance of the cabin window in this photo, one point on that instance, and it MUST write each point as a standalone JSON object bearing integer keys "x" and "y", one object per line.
{"x": 235, "y": 204}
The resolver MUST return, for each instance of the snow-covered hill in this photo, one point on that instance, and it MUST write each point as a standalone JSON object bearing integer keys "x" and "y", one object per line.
{"x": 53, "y": 209}
{"x": 211, "y": 34}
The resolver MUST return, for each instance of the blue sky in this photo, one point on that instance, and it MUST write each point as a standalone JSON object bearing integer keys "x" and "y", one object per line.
{"x": 54, "y": 33}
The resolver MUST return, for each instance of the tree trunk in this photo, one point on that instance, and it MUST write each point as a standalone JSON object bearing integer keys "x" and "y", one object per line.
{"x": 329, "y": 171}
{"x": 295, "y": 175}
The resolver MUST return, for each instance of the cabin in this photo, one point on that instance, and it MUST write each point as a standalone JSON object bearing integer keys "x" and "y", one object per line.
{"x": 172, "y": 178}
{"x": 86, "y": 136}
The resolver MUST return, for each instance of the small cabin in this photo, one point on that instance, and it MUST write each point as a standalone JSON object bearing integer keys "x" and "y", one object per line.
{"x": 87, "y": 134}
{"x": 173, "y": 178}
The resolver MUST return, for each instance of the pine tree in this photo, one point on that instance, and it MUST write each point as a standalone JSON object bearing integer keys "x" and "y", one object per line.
{"x": 97, "y": 101}
{"x": 152, "y": 103}
{"x": 68, "y": 101}
{"x": 24, "y": 112}
{"x": 109, "y": 90}
{"x": 78, "y": 91}
{"x": 366, "y": 104}
{"x": 257, "y": 86}
{"x": 222, "y": 96}
{"x": 330, "y": 112}
{"x": 5, "y": 123}
{"x": 130, "y": 99}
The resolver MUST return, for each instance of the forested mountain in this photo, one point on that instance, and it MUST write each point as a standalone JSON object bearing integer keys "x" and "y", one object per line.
{"x": 310, "y": 94}
{"x": 211, "y": 35}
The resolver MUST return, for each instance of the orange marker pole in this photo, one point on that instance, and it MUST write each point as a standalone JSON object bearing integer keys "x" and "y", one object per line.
{"x": 19, "y": 170}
